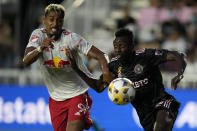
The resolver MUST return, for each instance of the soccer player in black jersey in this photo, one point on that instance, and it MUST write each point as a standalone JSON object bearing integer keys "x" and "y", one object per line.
{"x": 157, "y": 110}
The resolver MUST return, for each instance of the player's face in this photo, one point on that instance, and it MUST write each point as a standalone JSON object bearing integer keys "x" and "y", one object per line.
{"x": 121, "y": 48}
{"x": 53, "y": 24}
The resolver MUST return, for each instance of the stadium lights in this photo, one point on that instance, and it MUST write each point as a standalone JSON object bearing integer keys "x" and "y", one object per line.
{"x": 77, "y": 3}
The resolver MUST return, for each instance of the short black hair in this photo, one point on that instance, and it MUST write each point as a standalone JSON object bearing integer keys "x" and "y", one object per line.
{"x": 55, "y": 7}
{"x": 122, "y": 32}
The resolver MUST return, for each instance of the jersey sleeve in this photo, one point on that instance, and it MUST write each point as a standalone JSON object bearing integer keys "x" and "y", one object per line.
{"x": 156, "y": 56}
{"x": 35, "y": 38}
{"x": 80, "y": 43}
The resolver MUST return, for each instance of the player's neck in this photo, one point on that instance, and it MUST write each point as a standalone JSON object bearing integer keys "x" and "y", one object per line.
{"x": 125, "y": 60}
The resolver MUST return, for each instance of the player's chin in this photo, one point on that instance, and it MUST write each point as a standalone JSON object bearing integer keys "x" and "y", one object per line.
{"x": 54, "y": 34}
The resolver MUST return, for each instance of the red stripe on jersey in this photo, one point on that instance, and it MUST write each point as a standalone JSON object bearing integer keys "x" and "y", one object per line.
{"x": 62, "y": 63}
{"x": 34, "y": 38}
{"x": 79, "y": 43}
{"x": 47, "y": 49}
{"x": 65, "y": 32}
{"x": 49, "y": 63}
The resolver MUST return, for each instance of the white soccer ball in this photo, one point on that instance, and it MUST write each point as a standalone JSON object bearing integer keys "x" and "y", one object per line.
{"x": 121, "y": 91}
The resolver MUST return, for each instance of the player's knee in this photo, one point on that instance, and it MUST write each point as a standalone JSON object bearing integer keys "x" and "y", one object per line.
{"x": 76, "y": 125}
{"x": 165, "y": 125}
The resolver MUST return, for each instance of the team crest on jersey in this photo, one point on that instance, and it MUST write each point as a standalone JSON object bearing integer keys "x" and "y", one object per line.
{"x": 138, "y": 69}
{"x": 34, "y": 38}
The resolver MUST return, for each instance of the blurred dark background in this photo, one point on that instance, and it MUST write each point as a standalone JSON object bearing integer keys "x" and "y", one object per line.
{"x": 169, "y": 24}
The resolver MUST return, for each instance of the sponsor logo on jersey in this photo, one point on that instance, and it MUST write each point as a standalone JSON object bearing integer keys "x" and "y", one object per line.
{"x": 56, "y": 63}
{"x": 34, "y": 38}
{"x": 138, "y": 69}
{"x": 140, "y": 83}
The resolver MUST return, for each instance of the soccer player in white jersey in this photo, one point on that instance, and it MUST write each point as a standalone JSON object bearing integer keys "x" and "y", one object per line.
{"x": 69, "y": 102}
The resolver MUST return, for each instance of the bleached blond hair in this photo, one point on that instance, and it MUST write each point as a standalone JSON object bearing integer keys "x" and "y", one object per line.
{"x": 55, "y": 7}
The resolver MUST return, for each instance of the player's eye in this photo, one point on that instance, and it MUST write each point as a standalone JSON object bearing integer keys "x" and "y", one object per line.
{"x": 122, "y": 46}
{"x": 51, "y": 19}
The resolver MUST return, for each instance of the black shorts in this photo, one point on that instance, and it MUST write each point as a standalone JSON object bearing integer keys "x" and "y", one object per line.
{"x": 148, "y": 116}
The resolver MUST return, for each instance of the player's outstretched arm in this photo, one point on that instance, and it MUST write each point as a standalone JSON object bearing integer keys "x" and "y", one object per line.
{"x": 181, "y": 65}
{"x": 97, "y": 85}
{"x": 99, "y": 55}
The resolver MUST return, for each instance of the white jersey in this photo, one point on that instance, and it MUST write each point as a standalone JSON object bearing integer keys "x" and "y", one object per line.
{"x": 61, "y": 80}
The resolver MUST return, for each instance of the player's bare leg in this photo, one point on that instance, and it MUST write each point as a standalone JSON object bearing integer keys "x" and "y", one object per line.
{"x": 163, "y": 121}
{"x": 76, "y": 125}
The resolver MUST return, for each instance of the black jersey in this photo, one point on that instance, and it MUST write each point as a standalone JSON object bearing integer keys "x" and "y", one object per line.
{"x": 142, "y": 68}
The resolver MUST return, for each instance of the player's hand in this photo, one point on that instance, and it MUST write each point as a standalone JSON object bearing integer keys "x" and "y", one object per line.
{"x": 100, "y": 85}
{"x": 47, "y": 43}
{"x": 175, "y": 81}
{"x": 108, "y": 76}
{"x": 105, "y": 85}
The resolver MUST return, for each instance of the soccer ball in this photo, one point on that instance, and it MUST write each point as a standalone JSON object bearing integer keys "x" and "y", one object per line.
{"x": 121, "y": 91}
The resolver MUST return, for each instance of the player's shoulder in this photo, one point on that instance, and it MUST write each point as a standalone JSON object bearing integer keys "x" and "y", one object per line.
{"x": 144, "y": 51}
{"x": 37, "y": 34}
{"x": 37, "y": 31}
{"x": 151, "y": 52}
{"x": 40, "y": 31}
{"x": 114, "y": 60}
{"x": 77, "y": 39}
{"x": 69, "y": 34}
{"x": 113, "y": 64}
{"x": 75, "y": 36}
{"x": 140, "y": 52}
